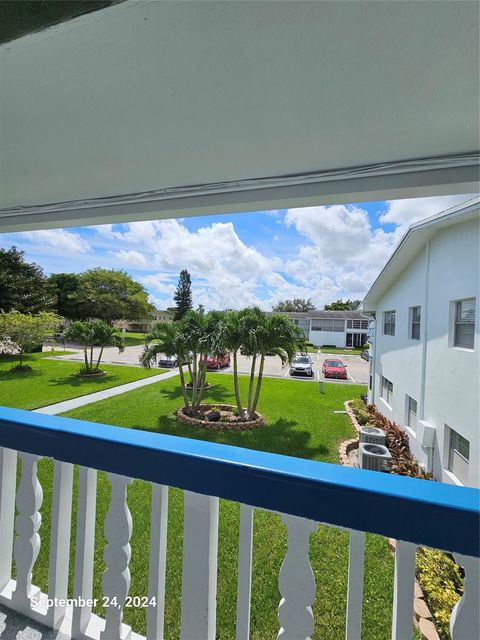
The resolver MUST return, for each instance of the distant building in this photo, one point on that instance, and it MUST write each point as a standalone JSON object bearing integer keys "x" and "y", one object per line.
{"x": 424, "y": 364}
{"x": 332, "y": 328}
{"x": 145, "y": 324}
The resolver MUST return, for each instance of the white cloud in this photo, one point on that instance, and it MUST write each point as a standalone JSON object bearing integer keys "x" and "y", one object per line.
{"x": 59, "y": 239}
{"x": 405, "y": 212}
{"x": 131, "y": 258}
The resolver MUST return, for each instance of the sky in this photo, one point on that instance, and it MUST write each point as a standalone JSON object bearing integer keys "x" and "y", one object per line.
{"x": 235, "y": 260}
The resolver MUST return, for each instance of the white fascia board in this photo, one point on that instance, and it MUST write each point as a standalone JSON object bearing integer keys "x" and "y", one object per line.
{"x": 389, "y": 181}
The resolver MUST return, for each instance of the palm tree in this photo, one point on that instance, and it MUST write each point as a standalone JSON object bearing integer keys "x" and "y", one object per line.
{"x": 95, "y": 333}
{"x": 276, "y": 335}
{"x": 166, "y": 337}
{"x": 233, "y": 335}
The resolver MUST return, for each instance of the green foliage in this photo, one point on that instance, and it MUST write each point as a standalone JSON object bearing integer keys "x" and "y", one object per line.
{"x": 340, "y": 305}
{"x": 24, "y": 331}
{"x": 65, "y": 287}
{"x": 95, "y": 333}
{"x": 442, "y": 586}
{"x": 297, "y": 304}
{"x": 360, "y": 410}
{"x": 183, "y": 295}
{"x": 108, "y": 294}
{"x": 23, "y": 286}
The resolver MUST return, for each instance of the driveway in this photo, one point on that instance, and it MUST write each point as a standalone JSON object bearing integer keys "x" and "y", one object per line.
{"x": 110, "y": 355}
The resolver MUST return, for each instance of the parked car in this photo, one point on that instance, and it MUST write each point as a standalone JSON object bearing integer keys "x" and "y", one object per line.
{"x": 218, "y": 361}
{"x": 334, "y": 369}
{"x": 365, "y": 355}
{"x": 172, "y": 361}
{"x": 301, "y": 365}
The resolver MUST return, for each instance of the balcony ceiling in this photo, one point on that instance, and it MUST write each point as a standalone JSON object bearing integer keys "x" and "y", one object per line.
{"x": 159, "y": 96}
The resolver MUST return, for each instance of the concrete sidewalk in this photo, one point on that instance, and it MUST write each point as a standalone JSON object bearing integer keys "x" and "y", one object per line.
{"x": 74, "y": 403}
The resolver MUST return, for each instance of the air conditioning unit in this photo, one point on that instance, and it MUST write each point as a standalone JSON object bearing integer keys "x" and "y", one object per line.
{"x": 372, "y": 435}
{"x": 374, "y": 457}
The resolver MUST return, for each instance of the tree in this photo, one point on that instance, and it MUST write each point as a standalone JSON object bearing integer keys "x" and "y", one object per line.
{"x": 65, "y": 287}
{"x": 340, "y": 305}
{"x": 24, "y": 331}
{"x": 297, "y": 304}
{"x": 23, "y": 286}
{"x": 95, "y": 333}
{"x": 108, "y": 294}
{"x": 183, "y": 295}
{"x": 165, "y": 338}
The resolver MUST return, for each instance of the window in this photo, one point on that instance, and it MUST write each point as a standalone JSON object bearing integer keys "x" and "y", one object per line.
{"x": 415, "y": 315}
{"x": 464, "y": 329}
{"x": 328, "y": 324}
{"x": 357, "y": 324}
{"x": 458, "y": 456}
{"x": 411, "y": 413}
{"x": 389, "y": 323}
{"x": 387, "y": 390}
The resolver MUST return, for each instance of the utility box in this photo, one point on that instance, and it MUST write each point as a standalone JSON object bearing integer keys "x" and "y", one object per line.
{"x": 372, "y": 435}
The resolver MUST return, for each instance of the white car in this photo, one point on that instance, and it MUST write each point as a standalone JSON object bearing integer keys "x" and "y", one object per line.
{"x": 172, "y": 361}
{"x": 301, "y": 365}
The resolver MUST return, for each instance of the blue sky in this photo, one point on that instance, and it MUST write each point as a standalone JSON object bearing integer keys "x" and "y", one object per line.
{"x": 322, "y": 253}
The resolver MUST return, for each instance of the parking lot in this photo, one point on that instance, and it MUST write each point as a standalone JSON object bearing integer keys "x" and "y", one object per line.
{"x": 357, "y": 369}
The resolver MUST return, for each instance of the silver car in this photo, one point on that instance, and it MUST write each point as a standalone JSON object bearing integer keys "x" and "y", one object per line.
{"x": 172, "y": 361}
{"x": 301, "y": 365}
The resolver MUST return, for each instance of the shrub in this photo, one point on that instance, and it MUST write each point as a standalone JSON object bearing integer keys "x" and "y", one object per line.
{"x": 360, "y": 410}
{"x": 408, "y": 466}
{"x": 442, "y": 586}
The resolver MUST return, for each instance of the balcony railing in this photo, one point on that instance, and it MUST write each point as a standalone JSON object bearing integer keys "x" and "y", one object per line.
{"x": 305, "y": 493}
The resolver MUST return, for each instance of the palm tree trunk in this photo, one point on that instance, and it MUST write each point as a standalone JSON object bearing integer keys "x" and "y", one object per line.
{"x": 235, "y": 384}
{"x": 257, "y": 390}
{"x": 91, "y": 359}
{"x": 99, "y": 357}
{"x": 194, "y": 381}
{"x": 203, "y": 375}
{"x": 182, "y": 384}
{"x": 85, "y": 355}
{"x": 250, "y": 386}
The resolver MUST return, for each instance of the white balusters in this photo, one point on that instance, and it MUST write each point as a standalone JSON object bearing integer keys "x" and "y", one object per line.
{"x": 244, "y": 586}
{"x": 465, "y": 620}
{"x": 199, "y": 576}
{"x": 84, "y": 549}
{"x": 158, "y": 562}
{"x": 403, "y": 590}
{"x": 27, "y": 524}
{"x": 356, "y": 563}
{"x": 116, "y": 577}
{"x": 60, "y": 540}
{"x": 8, "y": 476}
{"x": 297, "y": 582}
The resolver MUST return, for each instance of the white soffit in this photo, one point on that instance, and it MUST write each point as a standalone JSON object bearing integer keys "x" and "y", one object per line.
{"x": 156, "y": 109}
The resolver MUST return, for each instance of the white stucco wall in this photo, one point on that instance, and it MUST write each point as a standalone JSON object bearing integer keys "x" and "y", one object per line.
{"x": 332, "y": 338}
{"x": 450, "y": 394}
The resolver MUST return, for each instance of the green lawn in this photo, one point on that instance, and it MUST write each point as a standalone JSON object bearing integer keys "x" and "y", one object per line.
{"x": 52, "y": 381}
{"x": 300, "y": 423}
{"x": 351, "y": 352}
{"x": 132, "y": 338}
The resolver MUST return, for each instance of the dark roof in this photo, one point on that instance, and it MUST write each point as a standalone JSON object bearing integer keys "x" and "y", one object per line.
{"x": 318, "y": 314}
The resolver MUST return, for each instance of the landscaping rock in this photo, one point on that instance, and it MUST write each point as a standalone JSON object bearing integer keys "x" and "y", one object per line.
{"x": 427, "y": 630}
{"x": 420, "y": 609}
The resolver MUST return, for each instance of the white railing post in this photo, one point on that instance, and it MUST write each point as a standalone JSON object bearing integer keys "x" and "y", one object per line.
{"x": 465, "y": 620}
{"x": 27, "y": 523}
{"x": 158, "y": 562}
{"x": 297, "y": 582}
{"x": 84, "y": 549}
{"x": 356, "y": 564}
{"x": 116, "y": 577}
{"x": 60, "y": 540}
{"x": 8, "y": 477}
{"x": 403, "y": 590}
{"x": 199, "y": 574}
{"x": 244, "y": 586}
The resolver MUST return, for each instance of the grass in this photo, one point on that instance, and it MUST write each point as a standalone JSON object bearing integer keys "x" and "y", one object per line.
{"x": 353, "y": 352}
{"x": 52, "y": 381}
{"x": 132, "y": 338}
{"x": 300, "y": 423}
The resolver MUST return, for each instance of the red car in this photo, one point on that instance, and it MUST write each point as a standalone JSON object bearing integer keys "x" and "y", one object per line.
{"x": 217, "y": 362}
{"x": 334, "y": 369}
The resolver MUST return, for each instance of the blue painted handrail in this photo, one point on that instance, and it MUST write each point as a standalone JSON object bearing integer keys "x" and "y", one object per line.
{"x": 429, "y": 513}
